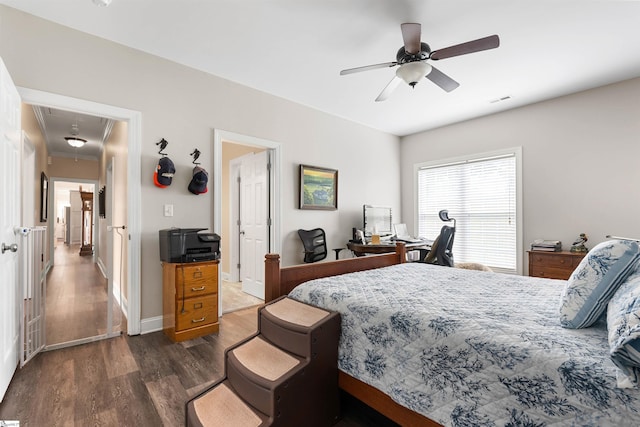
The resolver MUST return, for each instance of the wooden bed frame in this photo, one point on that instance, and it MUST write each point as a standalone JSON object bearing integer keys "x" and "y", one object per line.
{"x": 280, "y": 281}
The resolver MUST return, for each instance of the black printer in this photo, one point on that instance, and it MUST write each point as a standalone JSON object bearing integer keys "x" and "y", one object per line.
{"x": 179, "y": 245}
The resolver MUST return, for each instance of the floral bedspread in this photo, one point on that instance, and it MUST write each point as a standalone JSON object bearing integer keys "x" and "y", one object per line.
{"x": 473, "y": 348}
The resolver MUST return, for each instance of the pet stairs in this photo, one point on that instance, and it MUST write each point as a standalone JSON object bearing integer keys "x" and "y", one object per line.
{"x": 284, "y": 375}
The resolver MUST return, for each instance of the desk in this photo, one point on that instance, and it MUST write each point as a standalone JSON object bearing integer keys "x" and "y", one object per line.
{"x": 359, "y": 249}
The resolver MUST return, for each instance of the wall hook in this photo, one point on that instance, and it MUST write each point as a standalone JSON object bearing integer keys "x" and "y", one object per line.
{"x": 195, "y": 154}
{"x": 163, "y": 144}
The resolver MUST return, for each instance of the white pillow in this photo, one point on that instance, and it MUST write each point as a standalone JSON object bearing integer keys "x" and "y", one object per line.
{"x": 595, "y": 280}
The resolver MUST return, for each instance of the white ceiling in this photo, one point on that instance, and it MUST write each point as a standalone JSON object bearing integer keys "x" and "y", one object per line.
{"x": 295, "y": 49}
{"x": 56, "y": 125}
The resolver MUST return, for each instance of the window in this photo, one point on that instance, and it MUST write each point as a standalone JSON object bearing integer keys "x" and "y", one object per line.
{"x": 481, "y": 193}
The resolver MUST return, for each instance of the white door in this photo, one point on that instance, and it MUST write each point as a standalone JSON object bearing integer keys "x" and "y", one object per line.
{"x": 254, "y": 217}
{"x": 10, "y": 203}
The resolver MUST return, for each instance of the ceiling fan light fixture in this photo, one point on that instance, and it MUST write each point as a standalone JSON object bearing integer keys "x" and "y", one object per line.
{"x": 413, "y": 72}
{"x": 75, "y": 142}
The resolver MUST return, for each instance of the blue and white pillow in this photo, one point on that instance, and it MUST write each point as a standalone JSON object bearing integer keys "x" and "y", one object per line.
{"x": 623, "y": 324}
{"x": 595, "y": 280}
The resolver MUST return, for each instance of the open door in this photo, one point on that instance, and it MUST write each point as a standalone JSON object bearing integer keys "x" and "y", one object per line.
{"x": 10, "y": 204}
{"x": 254, "y": 221}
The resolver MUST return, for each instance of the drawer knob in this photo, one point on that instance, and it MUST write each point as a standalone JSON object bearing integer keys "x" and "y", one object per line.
{"x": 198, "y": 320}
{"x": 201, "y": 288}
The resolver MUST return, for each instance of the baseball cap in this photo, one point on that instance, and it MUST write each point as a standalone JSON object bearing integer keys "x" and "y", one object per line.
{"x": 198, "y": 184}
{"x": 164, "y": 172}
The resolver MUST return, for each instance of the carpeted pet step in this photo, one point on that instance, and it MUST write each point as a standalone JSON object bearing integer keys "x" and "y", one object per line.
{"x": 221, "y": 406}
{"x": 284, "y": 375}
{"x": 290, "y": 324}
{"x": 257, "y": 370}
{"x": 311, "y": 333}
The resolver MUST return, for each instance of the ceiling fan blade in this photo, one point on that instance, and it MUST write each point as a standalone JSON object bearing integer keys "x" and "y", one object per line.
{"x": 388, "y": 90}
{"x": 441, "y": 79}
{"x": 367, "y": 68}
{"x": 490, "y": 42}
{"x": 411, "y": 37}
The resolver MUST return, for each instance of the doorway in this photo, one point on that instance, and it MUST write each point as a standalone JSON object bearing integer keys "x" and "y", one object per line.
{"x": 77, "y": 297}
{"x": 229, "y": 148}
{"x": 133, "y": 120}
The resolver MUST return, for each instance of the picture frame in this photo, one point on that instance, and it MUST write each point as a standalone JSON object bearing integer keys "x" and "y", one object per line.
{"x": 44, "y": 197}
{"x": 318, "y": 188}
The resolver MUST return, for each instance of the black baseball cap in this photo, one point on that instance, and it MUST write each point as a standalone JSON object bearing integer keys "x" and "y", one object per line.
{"x": 164, "y": 172}
{"x": 198, "y": 184}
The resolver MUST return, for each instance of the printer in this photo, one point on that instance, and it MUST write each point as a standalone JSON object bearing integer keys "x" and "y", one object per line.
{"x": 180, "y": 245}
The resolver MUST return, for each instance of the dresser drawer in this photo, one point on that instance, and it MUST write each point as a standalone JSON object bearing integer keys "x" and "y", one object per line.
{"x": 551, "y": 260}
{"x": 197, "y": 280}
{"x": 551, "y": 272}
{"x": 198, "y": 311}
{"x": 553, "y": 265}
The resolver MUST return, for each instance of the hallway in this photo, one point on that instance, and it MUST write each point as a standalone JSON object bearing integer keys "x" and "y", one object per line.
{"x": 76, "y": 302}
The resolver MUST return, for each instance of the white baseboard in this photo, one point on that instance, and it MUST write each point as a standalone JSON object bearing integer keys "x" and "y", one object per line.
{"x": 225, "y": 276}
{"x": 150, "y": 324}
{"x": 102, "y": 267}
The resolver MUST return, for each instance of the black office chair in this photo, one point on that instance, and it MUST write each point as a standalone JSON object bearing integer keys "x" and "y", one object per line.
{"x": 315, "y": 244}
{"x": 441, "y": 249}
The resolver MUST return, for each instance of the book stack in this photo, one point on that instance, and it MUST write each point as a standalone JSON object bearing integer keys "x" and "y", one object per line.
{"x": 546, "y": 245}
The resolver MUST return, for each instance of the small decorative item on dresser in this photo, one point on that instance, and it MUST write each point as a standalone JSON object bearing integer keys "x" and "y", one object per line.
{"x": 578, "y": 245}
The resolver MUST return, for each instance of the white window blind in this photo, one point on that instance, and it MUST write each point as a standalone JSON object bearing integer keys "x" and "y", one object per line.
{"x": 481, "y": 195}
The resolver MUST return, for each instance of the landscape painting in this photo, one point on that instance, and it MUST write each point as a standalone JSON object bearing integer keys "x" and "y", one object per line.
{"x": 318, "y": 188}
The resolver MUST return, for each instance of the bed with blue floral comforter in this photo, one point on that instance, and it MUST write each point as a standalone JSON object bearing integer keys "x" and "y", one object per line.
{"x": 473, "y": 348}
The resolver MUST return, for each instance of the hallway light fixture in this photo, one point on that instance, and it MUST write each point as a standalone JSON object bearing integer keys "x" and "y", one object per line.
{"x": 74, "y": 140}
{"x": 102, "y": 3}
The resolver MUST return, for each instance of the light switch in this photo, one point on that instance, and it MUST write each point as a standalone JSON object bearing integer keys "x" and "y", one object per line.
{"x": 168, "y": 210}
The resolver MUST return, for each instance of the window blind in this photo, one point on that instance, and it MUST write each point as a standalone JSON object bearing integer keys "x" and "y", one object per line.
{"x": 481, "y": 195}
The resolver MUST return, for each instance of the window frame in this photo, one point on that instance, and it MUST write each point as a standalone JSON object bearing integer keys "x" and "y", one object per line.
{"x": 517, "y": 153}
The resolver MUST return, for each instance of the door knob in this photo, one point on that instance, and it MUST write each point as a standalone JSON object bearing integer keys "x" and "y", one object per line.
{"x": 13, "y": 247}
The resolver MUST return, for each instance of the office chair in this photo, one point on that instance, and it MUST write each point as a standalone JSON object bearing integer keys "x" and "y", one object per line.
{"x": 441, "y": 249}
{"x": 315, "y": 244}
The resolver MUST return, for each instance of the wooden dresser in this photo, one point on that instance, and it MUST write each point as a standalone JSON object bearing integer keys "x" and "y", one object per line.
{"x": 553, "y": 265}
{"x": 190, "y": 299}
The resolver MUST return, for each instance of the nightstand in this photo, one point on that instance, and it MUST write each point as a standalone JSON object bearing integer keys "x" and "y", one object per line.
{"x": 553, "y": 265}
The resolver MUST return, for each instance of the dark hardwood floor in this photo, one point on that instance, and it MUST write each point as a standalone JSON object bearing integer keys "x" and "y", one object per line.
{"x": 124, "y": 381}
{"x": 134, "y": 381}
{"x": 76, "y": 302}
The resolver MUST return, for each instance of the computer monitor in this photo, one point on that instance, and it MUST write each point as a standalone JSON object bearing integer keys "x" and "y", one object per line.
{"x": 378, "y": 218}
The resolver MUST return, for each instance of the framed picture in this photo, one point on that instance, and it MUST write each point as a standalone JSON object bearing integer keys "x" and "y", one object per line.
{"x": 318, "y": 188}
{"x": 44, "y": 196}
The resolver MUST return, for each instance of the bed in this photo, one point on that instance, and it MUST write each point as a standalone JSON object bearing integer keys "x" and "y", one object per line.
{"x": 446, "y": 346}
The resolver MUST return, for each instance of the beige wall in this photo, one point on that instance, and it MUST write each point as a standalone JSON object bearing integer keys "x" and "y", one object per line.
{"x": 32, "y": 128}
{"x": 183, "y": 106}
{"x": 65, "y": 167}
{"x": 580, "y": 161}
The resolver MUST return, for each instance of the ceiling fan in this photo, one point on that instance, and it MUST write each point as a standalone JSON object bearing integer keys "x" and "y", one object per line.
{"x": 412, "y": 59}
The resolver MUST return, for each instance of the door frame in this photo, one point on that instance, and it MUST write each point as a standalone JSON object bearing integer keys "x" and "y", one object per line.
{"x": 275, "y": 206}
{"x": 134, "y": 189}
{"x": 52, "y": 214}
